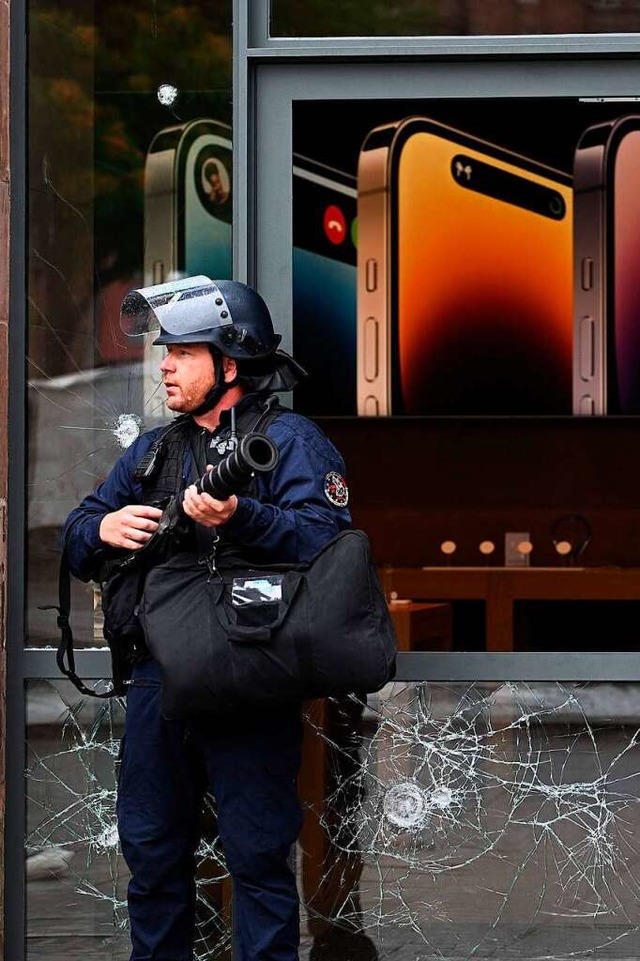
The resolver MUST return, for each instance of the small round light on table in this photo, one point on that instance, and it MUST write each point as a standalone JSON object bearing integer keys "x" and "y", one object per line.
{"x": 448, "y": 547}
{"x": 563, "y": 548}
{"x": 487, "y": 548}
{"x": 524, "y": 548}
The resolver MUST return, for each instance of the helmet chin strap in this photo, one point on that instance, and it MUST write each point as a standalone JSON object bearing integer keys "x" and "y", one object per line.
{"x": 219, "y": 389}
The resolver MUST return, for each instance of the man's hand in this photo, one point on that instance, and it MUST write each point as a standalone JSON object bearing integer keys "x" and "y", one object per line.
{"x": 206, "y": 510}
{"x": 130, "y": 527}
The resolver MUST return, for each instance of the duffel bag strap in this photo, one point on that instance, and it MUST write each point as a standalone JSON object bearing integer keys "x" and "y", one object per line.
{"x": 65, "y": 654}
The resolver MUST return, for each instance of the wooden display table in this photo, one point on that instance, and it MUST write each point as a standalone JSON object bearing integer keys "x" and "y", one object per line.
{"x": 422, "y": 626}
{"x": 499, "y": 587}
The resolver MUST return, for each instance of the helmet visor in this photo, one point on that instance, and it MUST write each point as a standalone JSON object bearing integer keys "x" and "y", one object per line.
{"x": 179, "y": 307}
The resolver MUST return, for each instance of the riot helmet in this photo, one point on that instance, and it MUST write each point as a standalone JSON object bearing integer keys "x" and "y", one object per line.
{"x": 226, "y": 314}
{"x": 242, "y": 325}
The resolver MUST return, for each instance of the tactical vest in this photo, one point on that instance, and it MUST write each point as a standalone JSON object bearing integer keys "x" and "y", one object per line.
{"x": 161, "y": 471}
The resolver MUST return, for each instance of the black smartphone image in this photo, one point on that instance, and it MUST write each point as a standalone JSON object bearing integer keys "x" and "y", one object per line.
{"x": 188, "y": 202}
{"x": 606, "y": 270}
{"x": 465, "y": 276}
{"x": 324, "y": 287}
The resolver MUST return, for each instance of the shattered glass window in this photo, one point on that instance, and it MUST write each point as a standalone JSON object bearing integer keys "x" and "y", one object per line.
{"x": 75, "y": 873}
{"x": 76, "y": 878}
{"x": 441, "y": 821}
{"x": 481, "y": 820}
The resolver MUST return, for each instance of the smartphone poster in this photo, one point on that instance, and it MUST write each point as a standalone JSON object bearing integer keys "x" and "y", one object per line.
{"x": 467, "y": 257}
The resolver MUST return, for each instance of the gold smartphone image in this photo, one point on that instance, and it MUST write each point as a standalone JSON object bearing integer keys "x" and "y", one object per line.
{"x": 607, "y": 266}
{"x": 465, "y": 277}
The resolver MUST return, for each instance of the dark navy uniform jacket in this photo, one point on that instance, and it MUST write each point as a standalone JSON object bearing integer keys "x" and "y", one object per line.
{"x": 298, "y": 511}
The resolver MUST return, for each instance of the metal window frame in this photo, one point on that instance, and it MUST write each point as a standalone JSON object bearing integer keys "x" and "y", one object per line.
{"x": 14, "y": 892}
{"x": 264, "y": 68}
{"x": 562, "y": 666}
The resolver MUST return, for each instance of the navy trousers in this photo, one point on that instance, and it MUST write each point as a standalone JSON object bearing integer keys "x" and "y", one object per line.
{"x": 250, "y": 764}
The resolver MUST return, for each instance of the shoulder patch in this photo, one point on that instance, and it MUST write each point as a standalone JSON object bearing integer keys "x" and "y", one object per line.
{"x": 335, "y": 489}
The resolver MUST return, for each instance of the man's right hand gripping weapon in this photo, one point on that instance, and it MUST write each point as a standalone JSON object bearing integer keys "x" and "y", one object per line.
{"x": 255, "y": 453}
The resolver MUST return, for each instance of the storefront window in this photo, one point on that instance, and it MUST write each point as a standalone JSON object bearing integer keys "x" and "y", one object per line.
{"x": 457, "y": 18}
{"x": 441, "y": 819}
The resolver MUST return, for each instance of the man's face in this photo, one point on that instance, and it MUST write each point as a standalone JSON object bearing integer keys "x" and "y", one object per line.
{"x": 188, "y": 375}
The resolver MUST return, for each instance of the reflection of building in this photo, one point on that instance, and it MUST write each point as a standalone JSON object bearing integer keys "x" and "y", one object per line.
{"x": 477, "y": 17}
{"x": 545, "y": 16}
{"x": 69, "y": 458}
{"x": 469, "y": 18}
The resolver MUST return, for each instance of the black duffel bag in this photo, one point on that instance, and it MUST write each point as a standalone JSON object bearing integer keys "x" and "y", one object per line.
{"x": 267, "y": 635}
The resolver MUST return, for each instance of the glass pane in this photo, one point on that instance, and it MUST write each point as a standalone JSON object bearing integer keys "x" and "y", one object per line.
{"x": 126, "y": 141}
{"x": 75, "y": 874}
{"x": 441, "y": 820}
{"x": 481, "y": 820}
{"x": 76, "y": 878}
{"x": 438, "y": 18}
{"x": 439, "y": 246}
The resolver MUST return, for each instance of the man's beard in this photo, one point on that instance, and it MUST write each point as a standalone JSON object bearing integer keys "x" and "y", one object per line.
{"x": 186, "y": 401}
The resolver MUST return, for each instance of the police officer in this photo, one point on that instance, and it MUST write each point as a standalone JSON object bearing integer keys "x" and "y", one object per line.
{"x": 222, "y": 361}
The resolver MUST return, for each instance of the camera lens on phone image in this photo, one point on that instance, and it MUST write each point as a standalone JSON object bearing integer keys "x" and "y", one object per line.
{"x": 216, "y": 183}
{"x": 557, "y": 207}
{"x": 212, "y": 180}
{"x": 461, "y": 171}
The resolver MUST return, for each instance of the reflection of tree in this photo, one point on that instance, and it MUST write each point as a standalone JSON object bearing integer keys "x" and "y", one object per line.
{"x": 187, "y": 45}
{"x": 93, "y": 109}
{"x": 60, "y": 185}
